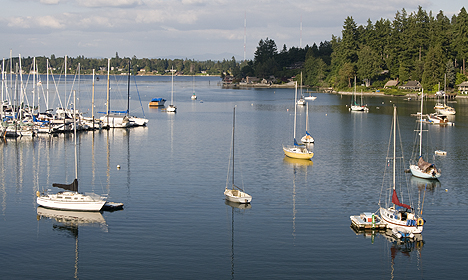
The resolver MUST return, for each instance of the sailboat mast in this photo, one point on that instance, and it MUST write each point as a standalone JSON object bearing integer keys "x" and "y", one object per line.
{"x": 92, "y": 101}
{"x": 421, "y": 123}
{"x": 74, "y": 133}
{"x": 172, "y": 85}
{"x": 295, "y": 105}
{"x": 233, "y": 127}
{"x": 128, "y": 89}
{"x": 307, "y": 116}
{"x": 394, "y": 144}
{"x": 108, "y": 88}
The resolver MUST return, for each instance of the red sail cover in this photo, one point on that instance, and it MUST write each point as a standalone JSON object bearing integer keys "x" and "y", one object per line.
{"x": 397, "y": 202}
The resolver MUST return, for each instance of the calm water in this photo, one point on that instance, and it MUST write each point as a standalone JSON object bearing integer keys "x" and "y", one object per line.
{"x": 176, "y": 224}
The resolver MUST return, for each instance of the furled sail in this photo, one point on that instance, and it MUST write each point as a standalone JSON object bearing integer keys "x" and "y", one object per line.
{"x": 397, "y": 202}
{"x": 424, "y": 165}
{"x": 71, "y": 187}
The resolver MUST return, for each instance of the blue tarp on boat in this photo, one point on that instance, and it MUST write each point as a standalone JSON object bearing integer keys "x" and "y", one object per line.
{"x": 159, "y": 99}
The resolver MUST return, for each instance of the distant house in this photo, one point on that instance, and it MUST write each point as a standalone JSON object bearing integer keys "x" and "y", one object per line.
{"x": 391, "y": 83}
{"x": 251, "y": 80}
{"x": 411, "y": 85}
{"x": 463, "y": 87}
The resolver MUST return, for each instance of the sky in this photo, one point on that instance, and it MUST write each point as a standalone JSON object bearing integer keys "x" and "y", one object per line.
{"x": 193, "y": 29}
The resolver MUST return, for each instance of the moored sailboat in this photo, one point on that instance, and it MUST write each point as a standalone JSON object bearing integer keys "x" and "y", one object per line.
{"x": 71, "y": 199}
{"x": 296, "y": 150}
{"x": 235, "y": 193}
{"x": 418, "y": 166}
{"x": 172, "y": 108}
{"x": 401, "y": 218}
{"x": 307, "y": 139}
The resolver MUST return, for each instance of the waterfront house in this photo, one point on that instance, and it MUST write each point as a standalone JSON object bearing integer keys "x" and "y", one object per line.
{"x": 411, "y": 85}
{"x": 463, "y": 87}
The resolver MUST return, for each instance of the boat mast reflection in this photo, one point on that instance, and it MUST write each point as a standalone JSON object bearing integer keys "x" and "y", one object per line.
{"x": 68, "y": 222}
{"x": 235, "y": 207}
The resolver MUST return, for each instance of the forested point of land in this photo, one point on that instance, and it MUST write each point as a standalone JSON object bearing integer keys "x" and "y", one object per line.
{"x": 419, "y": 46}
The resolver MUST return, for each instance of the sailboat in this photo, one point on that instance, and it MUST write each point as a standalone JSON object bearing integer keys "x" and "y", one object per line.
{"x": 307, "y": 139}
{"x": 113, "y": 119}
{"x": 354, "y": 105}
{"x": 301, "y": 100}
{"x": 194, "y": 96}
{"x": 399, "y": 217}
{"x": 440, "y": 108}
{"x": 421, "y": 168}
{"x": 172, "y": 108}
{"x": 71, "y": 199}
{"x": 235, "y": 194}
{"x": 296, "y": 150}
{"x": 134, "y": 121}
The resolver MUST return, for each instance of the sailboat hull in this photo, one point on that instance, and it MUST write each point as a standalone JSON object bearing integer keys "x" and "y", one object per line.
{"x": 417, "y": 172}
{"x": 392, "y": 218}
{"x": 237, "y": 196}
{"x": 71, "y": 201}
{"x": 298, "y": 152}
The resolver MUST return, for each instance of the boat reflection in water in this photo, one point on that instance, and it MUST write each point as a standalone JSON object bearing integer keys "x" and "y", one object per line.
{"x": 235, "y": 207}
{"x": 238, "y": 205}
{"x": 424, "y": 184}
{"x": 69, "y": 222}
{"x": 297, "y": 162}
{"x": 409, "y": 247}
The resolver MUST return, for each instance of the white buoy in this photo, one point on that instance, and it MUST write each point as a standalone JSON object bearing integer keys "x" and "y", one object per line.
{"x": 118, "y": 166}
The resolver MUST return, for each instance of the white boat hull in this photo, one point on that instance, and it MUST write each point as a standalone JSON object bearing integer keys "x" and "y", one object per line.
{"x": 387, "y": 216}
{"x": 171, "y": 109}
{"x": 417, "y": 172}
{"x": 237, "y": 196}
{"x": 310, "y": 97}
{"x": 116, "y": 121}
{"x": 71, "y": 201}
{"x": 307, "y": 139}
{"x": 359, "y": 108}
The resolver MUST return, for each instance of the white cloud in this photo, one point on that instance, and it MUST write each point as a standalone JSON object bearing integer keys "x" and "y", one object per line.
{"x": 50, "y": 22}
{"x": 50, "y": 2}
{"x": 109, "y": 3}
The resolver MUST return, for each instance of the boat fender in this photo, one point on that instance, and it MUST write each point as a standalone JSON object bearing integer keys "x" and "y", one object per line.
{"x": 420, "y": 221}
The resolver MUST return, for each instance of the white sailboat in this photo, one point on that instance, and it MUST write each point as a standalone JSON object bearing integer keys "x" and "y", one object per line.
{"x": 134, "y": 121}
{"x": 301, "y": 100}
{"x": 194, "y": 96}
{"x": 307, "y": 139}
{"x": 354, "y": 105}
{"x": 418, "y": 166}
{"x": 440, "y": 108}
{"x": 235, "y": 193}
{"x": 399, "y": 217}
{"x": 296, "y": 150}
{"x": 71, "y": 199}
{"x": 114, "y": 120}
{"x": 172, "y": 108}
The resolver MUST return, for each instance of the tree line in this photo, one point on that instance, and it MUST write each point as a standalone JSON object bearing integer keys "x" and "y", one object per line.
{"x": 416, "y": 46}
{"x": 119, "y": 65}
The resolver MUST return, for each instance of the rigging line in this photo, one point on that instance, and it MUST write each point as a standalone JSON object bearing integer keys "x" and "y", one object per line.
{"x": 141, "y": 105}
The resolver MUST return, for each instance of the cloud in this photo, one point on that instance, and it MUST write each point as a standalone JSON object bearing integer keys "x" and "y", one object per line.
{"x": 109, "y": 3}
{"x": 50, "y": 2}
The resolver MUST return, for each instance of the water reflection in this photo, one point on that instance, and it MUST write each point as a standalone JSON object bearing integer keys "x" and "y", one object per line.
{"x": 404, "y": 246}
{"x": 235, "y": 207}
{"x": 424, "y": 184}
{"x": 68, "y": 222}
{"x": 297, "y": 162}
